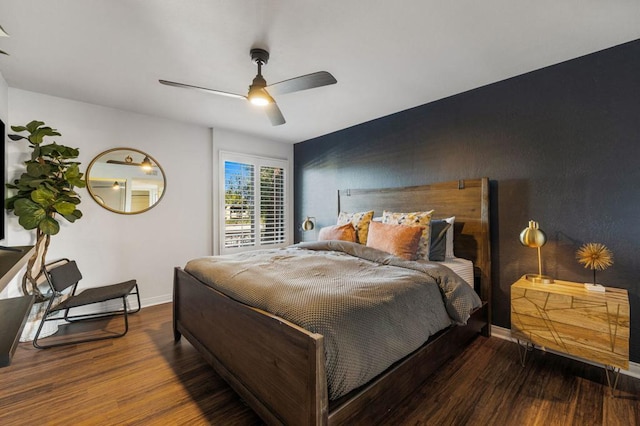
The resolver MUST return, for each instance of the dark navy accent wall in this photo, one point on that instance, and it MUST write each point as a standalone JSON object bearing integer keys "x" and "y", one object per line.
{"x": 561, "y": 146}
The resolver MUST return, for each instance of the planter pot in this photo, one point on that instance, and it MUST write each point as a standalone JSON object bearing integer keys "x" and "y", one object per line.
{"x": 33, "y": 322}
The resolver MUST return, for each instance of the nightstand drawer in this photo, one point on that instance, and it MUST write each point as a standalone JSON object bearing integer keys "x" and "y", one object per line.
{"x": 566, "y": 317}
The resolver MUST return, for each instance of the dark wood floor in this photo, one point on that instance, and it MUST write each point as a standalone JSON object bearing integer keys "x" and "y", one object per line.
{"x": 144, "y": 378}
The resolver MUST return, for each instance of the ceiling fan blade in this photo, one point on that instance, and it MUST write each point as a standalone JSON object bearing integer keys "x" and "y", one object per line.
{"x": 274, "y": 114}
{"x": 304, "y": 82}
{"x": 201, "y": 89}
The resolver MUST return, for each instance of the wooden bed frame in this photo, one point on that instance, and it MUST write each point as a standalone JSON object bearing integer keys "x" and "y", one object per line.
{"x": 278, "y": 368}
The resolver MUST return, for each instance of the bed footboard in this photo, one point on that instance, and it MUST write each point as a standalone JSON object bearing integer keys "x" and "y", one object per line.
{"x": 276, "y": 366}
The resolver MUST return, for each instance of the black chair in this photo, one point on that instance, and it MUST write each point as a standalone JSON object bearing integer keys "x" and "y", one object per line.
{"x": 64, "y": 274}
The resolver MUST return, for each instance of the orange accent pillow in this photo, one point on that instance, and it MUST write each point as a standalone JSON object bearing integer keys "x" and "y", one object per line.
{"x": 399, "y": 240}
{"x": 344, "y": 232}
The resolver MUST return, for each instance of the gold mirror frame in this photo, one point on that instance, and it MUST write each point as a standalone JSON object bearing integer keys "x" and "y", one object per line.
{"x": 136, "y": 189}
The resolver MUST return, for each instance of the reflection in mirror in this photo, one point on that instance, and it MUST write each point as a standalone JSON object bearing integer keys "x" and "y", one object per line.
{"x": 125, "y": 180}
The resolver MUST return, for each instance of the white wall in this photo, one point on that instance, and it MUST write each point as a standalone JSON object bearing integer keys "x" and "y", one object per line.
{"x": 111, "y": 247}
{"x": 225, "y": 140}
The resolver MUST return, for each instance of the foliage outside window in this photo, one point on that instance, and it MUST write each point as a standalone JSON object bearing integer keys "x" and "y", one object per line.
{"x": 254, "y": 203}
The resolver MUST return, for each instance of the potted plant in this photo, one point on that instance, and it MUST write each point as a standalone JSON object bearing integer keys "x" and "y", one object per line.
{"x": 43, "y": 193}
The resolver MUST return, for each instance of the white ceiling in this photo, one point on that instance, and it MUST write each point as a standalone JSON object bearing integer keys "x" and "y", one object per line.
{"x": 386, "y": 55}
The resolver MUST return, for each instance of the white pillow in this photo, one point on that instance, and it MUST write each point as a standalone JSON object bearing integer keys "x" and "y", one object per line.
{"x": 449, "y": 250}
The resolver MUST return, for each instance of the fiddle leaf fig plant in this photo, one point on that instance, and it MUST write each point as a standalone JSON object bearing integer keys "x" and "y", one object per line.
{"x": 44, "y": 192}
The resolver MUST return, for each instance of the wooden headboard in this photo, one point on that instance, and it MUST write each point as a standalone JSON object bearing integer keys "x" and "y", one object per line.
{"x": 467, "y": 200}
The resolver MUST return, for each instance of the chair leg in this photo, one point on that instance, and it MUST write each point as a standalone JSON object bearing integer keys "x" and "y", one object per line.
{"x": 126, "y": 315}
{"x": 137, "y": 293}
{"x": 42, "y": 321}
{"x": 92, "y": 339}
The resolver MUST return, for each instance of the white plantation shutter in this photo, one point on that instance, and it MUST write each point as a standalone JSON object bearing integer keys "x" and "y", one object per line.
{"x": 254, "y": 198}
{"x": 272, "y": 203}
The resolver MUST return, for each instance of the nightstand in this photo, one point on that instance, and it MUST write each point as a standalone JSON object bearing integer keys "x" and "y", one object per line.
{"x": 566, "y": 317}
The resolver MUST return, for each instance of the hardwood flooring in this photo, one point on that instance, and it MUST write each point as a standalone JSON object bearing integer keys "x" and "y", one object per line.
{"x": 144, "y": 378}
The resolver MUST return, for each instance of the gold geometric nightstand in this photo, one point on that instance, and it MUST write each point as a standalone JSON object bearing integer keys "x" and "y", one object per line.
{"x": 567, "y": 318}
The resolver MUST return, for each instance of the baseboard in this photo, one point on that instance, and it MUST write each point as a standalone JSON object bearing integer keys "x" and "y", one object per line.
{"x": 505, "y": 333}
{"x": 158, "y": 300}
{"x": 145, "y": 302}
{"x": 31, "y": 325}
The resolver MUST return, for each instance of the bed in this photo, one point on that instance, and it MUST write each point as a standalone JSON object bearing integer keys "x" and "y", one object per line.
{"x": 279, "y": 368}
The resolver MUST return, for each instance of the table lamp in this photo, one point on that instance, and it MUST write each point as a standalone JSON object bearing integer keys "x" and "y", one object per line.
{"x": 532, "y": 236}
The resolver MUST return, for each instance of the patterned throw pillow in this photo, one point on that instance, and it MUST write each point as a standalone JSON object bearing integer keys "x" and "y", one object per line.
{"x": 413, "y": 219}
{"x": 360, "y": 222}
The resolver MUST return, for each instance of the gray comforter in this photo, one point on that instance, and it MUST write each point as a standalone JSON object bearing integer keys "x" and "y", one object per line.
{"x": 372, "y": 308}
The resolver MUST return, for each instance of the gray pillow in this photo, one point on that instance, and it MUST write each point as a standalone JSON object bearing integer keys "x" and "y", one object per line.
{"x": 438, "y": 246}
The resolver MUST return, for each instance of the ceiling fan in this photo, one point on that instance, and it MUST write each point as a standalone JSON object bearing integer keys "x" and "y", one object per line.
{"x": 261, "y": 94}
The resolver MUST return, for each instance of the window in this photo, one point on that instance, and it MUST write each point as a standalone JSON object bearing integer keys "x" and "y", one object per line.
{"x": 254, "y": 199}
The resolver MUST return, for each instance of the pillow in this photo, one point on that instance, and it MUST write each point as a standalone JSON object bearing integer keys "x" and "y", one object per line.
{"x": 360, "y": 222}
{"x": 449, "y": 252}
{"x": 413, "y": 219}
{"x": 338, "y": 232}
{"x": 399, "y": 240}
{"x": 438, "y": 246}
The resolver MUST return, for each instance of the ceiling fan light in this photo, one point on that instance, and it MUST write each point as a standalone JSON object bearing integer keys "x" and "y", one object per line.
{"x": 259, "y": 101}
{"x": 258, "y": 96}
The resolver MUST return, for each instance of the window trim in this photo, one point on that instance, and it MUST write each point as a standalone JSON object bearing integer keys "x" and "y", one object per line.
{"x": 257, "y": 161}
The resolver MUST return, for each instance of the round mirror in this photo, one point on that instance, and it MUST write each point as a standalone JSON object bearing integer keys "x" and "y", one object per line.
{"x": 125, "y": 180}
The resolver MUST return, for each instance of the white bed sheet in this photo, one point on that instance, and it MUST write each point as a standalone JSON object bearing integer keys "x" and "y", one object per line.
{"x": 462, "y": 267}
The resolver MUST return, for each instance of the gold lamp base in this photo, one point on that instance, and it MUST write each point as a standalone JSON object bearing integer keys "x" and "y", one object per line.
{"x": 539, "y": 279}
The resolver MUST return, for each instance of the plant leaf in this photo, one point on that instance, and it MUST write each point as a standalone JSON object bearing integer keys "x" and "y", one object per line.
{"x": 33, "y": 125}
{"x": 64, "y": 207}
{"x": 54, "y": 150}
{"x": 49, "y": 226}
{"x": 28, "y": 183}
{"x": 77, "y": 214}
{"x": 30, "y": 213}
{"x": 38, "y": 135}
{"x": 74, "y": 176}
{"x": 36, "y": 169}
{"x": 43, "y": 197}
{"x": 9, "y": 202}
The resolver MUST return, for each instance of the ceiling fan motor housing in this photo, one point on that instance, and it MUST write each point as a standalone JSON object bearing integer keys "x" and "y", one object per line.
{"x": 259, "y": 56}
